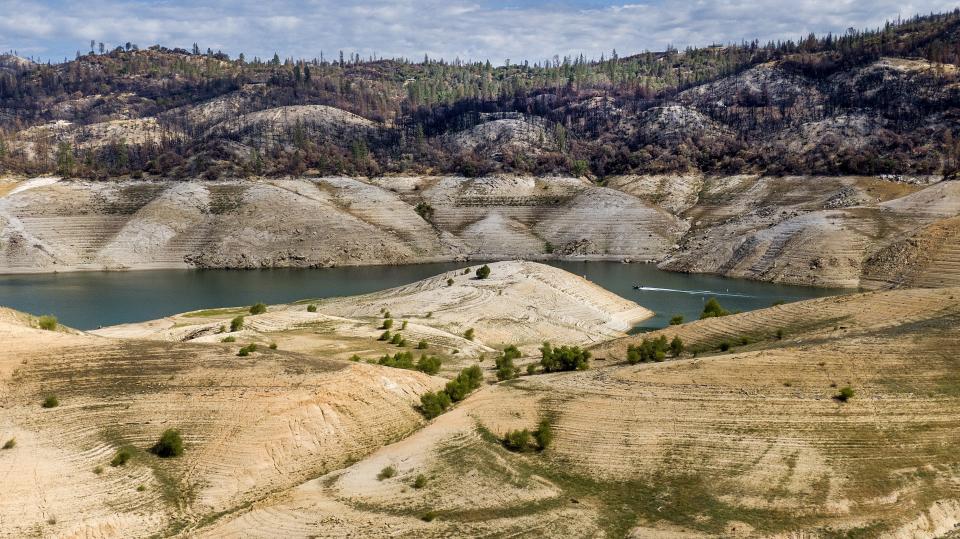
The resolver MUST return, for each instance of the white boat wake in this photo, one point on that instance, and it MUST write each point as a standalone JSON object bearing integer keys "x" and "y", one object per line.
{"x": 693, "y": 292}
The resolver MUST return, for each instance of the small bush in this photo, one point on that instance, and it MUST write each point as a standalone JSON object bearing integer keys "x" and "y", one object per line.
{"x": 385, "y": 336}
{"x": 273, "y": 346}
{"x": 229, "y": 339}
{"x": 433, "y": 404}
{"x": 420, "y": 481}
{"x": 429, "y": 364}
{"x": 565, "y": 358}
{"x": 47, "y": 322}
{"x": 506, "y": 370}
{"x": 247, "y": 350}
{"x": 424, "y": 210}
{"x": 676, "y": 320}
{"x": 450, "y": 282}
{"x": 387, "y": 473}
{"x": 51, "y": 401}
{"x": 517, "y": 440}
{"x": 483, "y": 272}
{"x": 466, "y": 271}
{"x": 543, "y": 435}
{"x": 396, "y": 338}
{"x": 258, "y": 308}
{"x": 386, "y": 314}
{"x": 141, "y": 488}
{"x": 532, "y": 368}
{"x": 169, "y": 445}
{"x": 468, "y": 334}
{"x": 403, "y": 326}
{"x": 647, "y": 350}
{"x": 354, "y": 357}
{"x": 548, "y": 248}
{"x": 429, "y": 516}
{"x": 236, "y": 324}
{"x": 422, "y": 345}
{"x": 387, "y": 324}
{"x": 779, "y": 334}
{"x": 121, "y": 458}
{"x": 712, "y": 309}
{"x": 311, "y": 308}
{"x": 676, "y": 346}
{"x": 97, "y": 470}
{"x": 724, "y": 346}
{"x": 846, "y": 393}
{"x": 10, "y": 444}
{"x": 430, "y": 314}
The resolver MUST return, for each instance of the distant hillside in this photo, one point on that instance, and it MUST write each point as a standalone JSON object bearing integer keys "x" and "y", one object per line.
{"x": 883, "y": 101}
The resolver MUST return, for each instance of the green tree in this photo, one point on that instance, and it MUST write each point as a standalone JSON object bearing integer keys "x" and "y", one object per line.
{"x": 258, "y": 308}
{"x": 483, "y": 272}
{"x": 236, "y": 324}
{"x": 565, "y": 358}
{"x": 169, "y": 445}
{"x": 65, "y": 161}
{"x": 713, "y": 309}
{"x": 543, "y": 435}
{"x": 676, "y": 320}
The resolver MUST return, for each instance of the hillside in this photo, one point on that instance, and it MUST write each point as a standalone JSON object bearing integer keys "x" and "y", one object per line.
{"x": 846, "y": 231}
{"x": 878, "y": 101}
{"x": 748, "y": 443}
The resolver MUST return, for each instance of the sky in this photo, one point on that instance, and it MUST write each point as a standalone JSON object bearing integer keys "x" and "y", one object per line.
{"x": 495, "y": 30}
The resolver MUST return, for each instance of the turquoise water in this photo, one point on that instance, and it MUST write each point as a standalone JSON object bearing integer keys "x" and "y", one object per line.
{"x": 88, "y": 300}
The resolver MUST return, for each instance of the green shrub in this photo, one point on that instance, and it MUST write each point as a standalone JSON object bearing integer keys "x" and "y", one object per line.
{"x": 141, "y": 488}
{"x": 387, "y": 473}
{"x": 97, "y": 470}
{"x": 518, "y": 440}
{"x": 468, "y": 334}
{"x": 676, "y": 320}
{"x": 548, "y": 248}
{"x": 466, "y": 271}
{"x": 647, "y": 350}
{"x": 258, "y": 308}
{"x": 387, "y": 324}
{"x": 51, "y": 401}
{"x": 450, "y": 282}
{"x": 385, "y": 336}
{"x": 779, "y": 334}
{"x": 422, "y": 345}
{"x": 506, "y": 370}
{"x": 247, "y": 350}
{"x": 543, "y": 435}
{"x": 400, "y": 360}
{"x": 713, "y": 309}
{"x": 311, "y": 308}
{"x": 433, "y": 404}
{"x": 430, "y": 314}
{"x": 676, "y": 346}
{"x": 10, "y": 444}
{"x": 724, "y": 346}
{"x": 532, "y": 368}
{"x": 169, "y": 445}
{"x": 386, "y": 314}
{"x": 565, "y": 358}
{"x": 429, "y": 364}
{"x": 121, "y": 457}
{"x": 420, "y": 481}
{"x": 236, "y": 324}
{"x": 231, "y": 338}
{"x": 403, "y": 326}
{"x": 273, "y": 346}
{"x": 47, "y": 322}
{"x": 396, "y": 338}
{"x": 483, "y": 272}
{"x": 429, "y": 516}
{"x": 846, "y": 393}
{"x": 354, "y": 357}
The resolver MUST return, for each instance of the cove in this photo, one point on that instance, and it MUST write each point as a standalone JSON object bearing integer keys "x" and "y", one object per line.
{"x": 87, "y": 300}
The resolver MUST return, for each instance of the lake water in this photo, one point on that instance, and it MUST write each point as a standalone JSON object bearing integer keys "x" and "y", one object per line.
{"x": 87, "y": 300}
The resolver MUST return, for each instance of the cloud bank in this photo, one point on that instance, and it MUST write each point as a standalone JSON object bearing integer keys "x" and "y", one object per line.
{"x": 531, "y": 30}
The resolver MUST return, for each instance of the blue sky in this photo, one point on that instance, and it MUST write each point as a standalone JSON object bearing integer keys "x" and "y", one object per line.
{"x": 468, "y": 29}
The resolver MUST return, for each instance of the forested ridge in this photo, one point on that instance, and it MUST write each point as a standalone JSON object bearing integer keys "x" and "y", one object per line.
{"x": 881, "y": 101}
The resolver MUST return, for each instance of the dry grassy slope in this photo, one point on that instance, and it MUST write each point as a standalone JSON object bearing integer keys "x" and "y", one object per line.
{"x": 745, "y": 444}
{"x": 521, "y": 303}
{"x": 251, "y": 425}
{"x": 821, "y": 231}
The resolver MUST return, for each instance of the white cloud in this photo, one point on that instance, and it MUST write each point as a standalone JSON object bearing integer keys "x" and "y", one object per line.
{"x": 458, "y": 28}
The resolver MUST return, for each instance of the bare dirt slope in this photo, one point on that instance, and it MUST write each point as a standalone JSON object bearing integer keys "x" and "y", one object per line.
{"x": 73, "y": 224}
{"x": 251, "y": 425}
{"x": 749, "y": 443}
